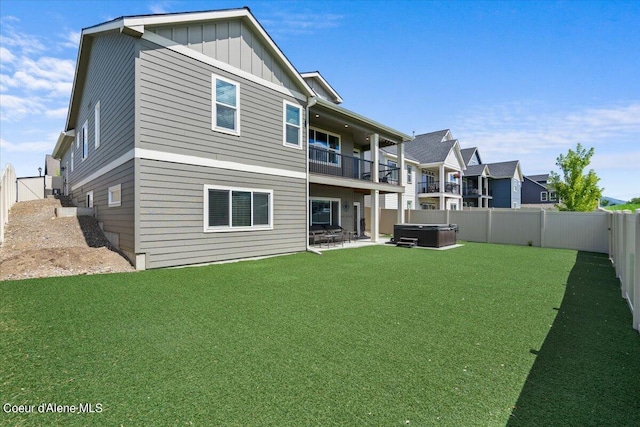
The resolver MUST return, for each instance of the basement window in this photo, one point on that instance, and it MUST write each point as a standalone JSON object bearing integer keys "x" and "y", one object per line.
{"x": 115, "y": 196}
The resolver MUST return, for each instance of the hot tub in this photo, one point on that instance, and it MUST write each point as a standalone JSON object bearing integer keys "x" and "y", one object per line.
{"x": 428, "y": 235}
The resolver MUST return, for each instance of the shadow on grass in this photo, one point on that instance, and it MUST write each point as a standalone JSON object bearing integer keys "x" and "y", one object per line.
{"x": 587, "y": 372}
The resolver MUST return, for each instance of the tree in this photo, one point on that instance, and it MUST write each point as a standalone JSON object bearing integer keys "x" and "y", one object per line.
{"x": 635, "y": 201}
{"x": 576, "y": 191}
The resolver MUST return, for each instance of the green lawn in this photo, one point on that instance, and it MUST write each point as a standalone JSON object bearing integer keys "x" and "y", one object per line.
{"x": 378, "y": 336}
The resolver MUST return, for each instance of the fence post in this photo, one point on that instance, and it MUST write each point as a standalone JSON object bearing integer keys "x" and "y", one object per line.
{"x": 635, "y": 279}
{"x": 543, "y": 219}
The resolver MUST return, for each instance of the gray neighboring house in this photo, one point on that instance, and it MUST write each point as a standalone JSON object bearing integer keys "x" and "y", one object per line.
{"x": 536, "y": 192}
{"x": 475, "y": 182}
{"x": 195, "y": 140}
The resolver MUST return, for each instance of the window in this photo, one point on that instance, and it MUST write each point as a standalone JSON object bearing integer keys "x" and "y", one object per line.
{"x": 89, "y": 199}
{"x": 96, "y": 131}
{"x": 78, "y": 134}
{"x": 115, "y": 196}
{"x": 391, "y": 174}
{"x": 72, "y": 160}
{"x": 237, "y": 209}
{"x": 409, "y": 204}
{"x": 325, "y": 211}
{"x": 226, "y": 106}
{"x": 85, "y": 140}
{"x": 409, "y": 174}
{"x": 543, "y": 196}
{"x": 326, "y": 147}
{"x": 552, "y": 196}
{"x": 292, "y": 125}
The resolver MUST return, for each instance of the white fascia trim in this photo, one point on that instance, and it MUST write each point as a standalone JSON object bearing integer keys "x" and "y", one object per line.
{"x": 186, "y": 51}
{"x": 129, "y": 155}
{"x": 140, "y": 153}
{"x": 395, "y": 156}
{"x": 325, "y": 84}
{"x": 214, "y": 163}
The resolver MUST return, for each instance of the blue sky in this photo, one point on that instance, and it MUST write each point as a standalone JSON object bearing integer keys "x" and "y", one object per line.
{"x": 520, "y": 80}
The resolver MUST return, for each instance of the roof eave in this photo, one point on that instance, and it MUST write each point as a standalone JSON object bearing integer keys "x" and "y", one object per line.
{"x": 377, "y": 127}
{"x": 65, "y": 139}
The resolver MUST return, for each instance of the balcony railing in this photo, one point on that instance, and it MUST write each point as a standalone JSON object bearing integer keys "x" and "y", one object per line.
{"x": 327, "y": 162}
{"x": 436, "y": 187}
{"x": 471, "y": 191}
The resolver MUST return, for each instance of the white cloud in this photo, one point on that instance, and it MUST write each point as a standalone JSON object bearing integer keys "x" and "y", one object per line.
{"x": 520, "y": 129}
{"x": 6, "y": 56}
{"x": 283, "y": 23}
{"x": 25, "y": 147}
{"x": 160, "y": 7}
{"x": 71, "y": 39}
{"x": 14, "y": 108}
{"x": 58, "y": 113}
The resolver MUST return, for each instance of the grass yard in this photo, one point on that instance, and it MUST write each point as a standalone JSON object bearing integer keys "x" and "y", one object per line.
{"x": 379, "y": 336}
{"x": 628, "y": 206}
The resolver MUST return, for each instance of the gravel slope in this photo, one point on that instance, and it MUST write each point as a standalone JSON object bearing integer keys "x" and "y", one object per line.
{"x": 37, "y": 244}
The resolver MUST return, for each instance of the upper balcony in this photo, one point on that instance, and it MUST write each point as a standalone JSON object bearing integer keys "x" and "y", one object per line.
{"x": 436, "y": 187}
{"x": 475, "y": 192}
{"x": 332, "y": 164}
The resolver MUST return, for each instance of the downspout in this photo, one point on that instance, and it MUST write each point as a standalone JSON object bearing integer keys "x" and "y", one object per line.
{"x": 311, "y": 101}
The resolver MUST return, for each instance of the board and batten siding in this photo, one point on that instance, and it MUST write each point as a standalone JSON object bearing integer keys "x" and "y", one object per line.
{"x": 110, "y": 80}
{"x": 171, "y": 215}
{"x": 232, "y": 42}
{"x": 119, "y": 219}
{"x": 175, "y": 113}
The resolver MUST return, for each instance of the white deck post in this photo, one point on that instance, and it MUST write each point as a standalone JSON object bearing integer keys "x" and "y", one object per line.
{"x": 401, "y": 182}
{"x": 442, "y": 187}
{"x": 375, "y": 194}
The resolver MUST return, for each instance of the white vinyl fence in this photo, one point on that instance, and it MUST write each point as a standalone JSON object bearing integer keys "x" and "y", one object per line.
{"x": 624, "y": 252}
{"x": 583, "y": 231}
{"x": 7, "y": 196}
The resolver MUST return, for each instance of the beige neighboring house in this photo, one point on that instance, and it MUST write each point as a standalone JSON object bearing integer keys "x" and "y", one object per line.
{"x": 432, "y": 175}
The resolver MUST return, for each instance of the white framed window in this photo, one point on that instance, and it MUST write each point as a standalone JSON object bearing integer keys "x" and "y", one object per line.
{"x": 225, "y": 105}
{"x": 543, "y": 196}
{"x": 96, "y": 131}
{"x": 72, "y": 160}
{"x": 78, "y": 134}
{"x": 292, "y": 118}
{"x": 409, "y": 174}
{"x": 409, "y": 204}
{"x": 325, "y": 146}
{"x": 85, "y": 140}
{"x": 237, "y": 209}
{"x": 89, "y": 199}
{"x": 325, "y": 211}
{"x": 115, "y": 196}
{"x": 552, "y": 196}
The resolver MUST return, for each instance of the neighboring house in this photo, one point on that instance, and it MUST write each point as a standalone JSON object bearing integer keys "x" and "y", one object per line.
{"x": 52, "y": 178}
{"x": 505, "y": 185}
{"x": 475, "y": 182}
{"x": 439, "y": 170}
{"x": 408, "y": 199}
{"x": 195, "y": 140}
{"x": 536, "y": 192}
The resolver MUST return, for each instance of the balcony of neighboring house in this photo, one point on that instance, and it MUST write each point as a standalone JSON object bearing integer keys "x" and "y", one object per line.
{"x": 348, "y": 171}
{"x": 426, "y": 189}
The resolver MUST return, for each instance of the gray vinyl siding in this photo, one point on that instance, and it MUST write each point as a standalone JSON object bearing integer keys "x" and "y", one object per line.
{"x": 172, "y": 207}
{"x": 232, "y": 42}
{"x": 175, "y": 113}
{"x": 109, "y": 80}
{"x": 319, "y": 90}
{"x": 119, "y": 219}
{"x": 345, "y": 195}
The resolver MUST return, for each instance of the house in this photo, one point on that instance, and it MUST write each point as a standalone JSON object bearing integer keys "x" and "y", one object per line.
{"x": 475, "y": 182}
{"x": 439, "y": 171}
{"x": 505, "y": 185}
{"x": 195, "y": 140}
{"x": 536, "y": 192}
{"x": 433, "y": 169}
